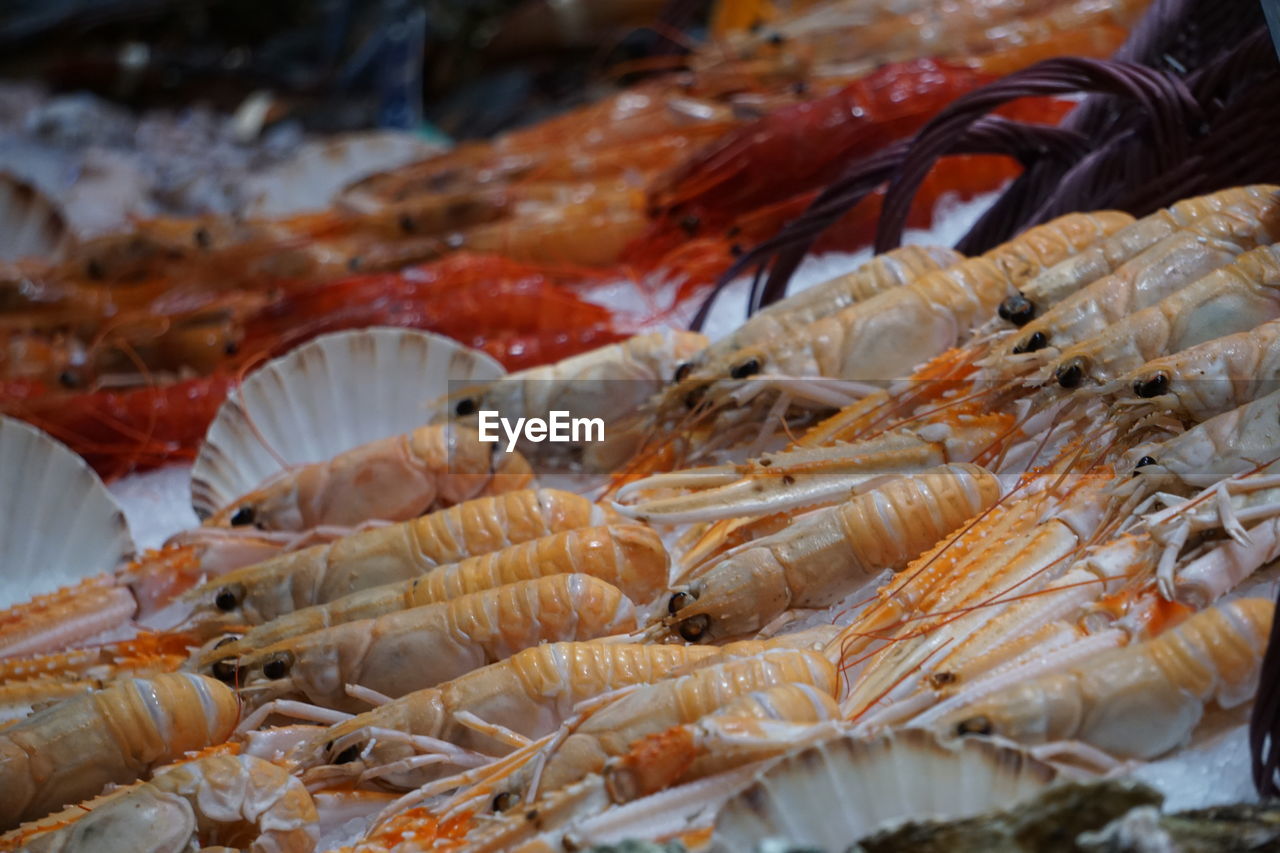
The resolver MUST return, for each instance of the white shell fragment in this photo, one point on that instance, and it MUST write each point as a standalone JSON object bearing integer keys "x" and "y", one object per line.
{"x": 830, "y": 795}
{"x": 328, "y": 395}
{"x": 58, "y": 522}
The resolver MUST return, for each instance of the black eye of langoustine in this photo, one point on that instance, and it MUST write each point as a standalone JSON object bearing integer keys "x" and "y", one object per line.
{"x": 465, "y": 407}
{"x": 974, "y": 726}
{"x": 225, "y": 671}
{"x": 347, "y": 755}
{"x": 226, "y": 599}
{"x": 242, "y": 516}
{"x": 1153, "y": 386}
{"x": 750, "y": 367}
{"x": 683, "y": 370}
{"x": 505, "y": 801}
{"x": 276, "y": 667}
{"x": 694, "y": 627}
{"x": 680, "y": 601}
{"x": 1018, "y": 310}
{"x": 1145, "y": 461}
{"x": 1031, "y": 343}
{"x": 1071, "y": 374}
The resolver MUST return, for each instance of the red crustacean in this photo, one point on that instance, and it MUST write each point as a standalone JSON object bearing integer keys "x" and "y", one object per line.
{"x": 118, "y": 431}
{"x": 800, "y": 147}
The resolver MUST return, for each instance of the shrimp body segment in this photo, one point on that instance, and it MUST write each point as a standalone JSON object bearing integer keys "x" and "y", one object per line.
{"x": 71, "y": 751}
{"x": 398, "y": 653}
{"x": 530, "y": 693}
{"x": 391, "y": 479}
{"x": 322, "y": 573}
{"x": 759, "y": 725}
{"x": 1205, "y": 380}
{"x": 1230, "y": 299}
{"x": 1179, "y": 259}
{"x": 629, "y": 556}
{"x": 1138, "y": 701}
{"x": 883, "y": 272}
{"x": 611, "y": 731}
{"x": 933, "y": 313}
{"x": 819, "y": 560}
{"x": 233, "y": 800}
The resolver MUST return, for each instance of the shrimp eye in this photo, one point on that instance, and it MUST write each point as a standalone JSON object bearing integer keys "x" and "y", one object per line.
{"x": 203, "y": 238}
{"x": 750, "y": 367}
{"x": 347, "y": 755}
{"x": 942, "y": 679}
{"x": 228, "y": 598}
{"x": 466, "y": 406}
{"x": 978, "y": 725}
{"x": 1071, "y": 374}
{"x": 694, "y": 627}
{"x": 406, "y": 223}
{"x": 1017, "y": 310}
{"x": 1031, "y": 343}
{"x": 680, "y": 601}
{"x": 690, "y": 224}
{"x": 224, "y": 670}
{"x": 1145, "y": 461}
{"x": 68, "y": 379}
{"x": 94, "y": 269}
{"x": 242, "y": 516}
{"x": 1153, "y": 386}
{"x": 683, "y": 370}
{"x": 277, "y": 666}
{"x": 505, "y": 801}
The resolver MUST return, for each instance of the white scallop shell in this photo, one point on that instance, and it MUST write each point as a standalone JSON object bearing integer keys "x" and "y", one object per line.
{"x": 30, "y": 224}
{"x": 830, "y": 795}
{"x": 58, "y": 522}
{"x": 329, "y": 395}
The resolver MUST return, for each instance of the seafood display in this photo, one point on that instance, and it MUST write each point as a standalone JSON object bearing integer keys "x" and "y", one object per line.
{"x": 123, "y": 341}
{"x": 1030, "y": 558}
{"x": 957, "y": 548}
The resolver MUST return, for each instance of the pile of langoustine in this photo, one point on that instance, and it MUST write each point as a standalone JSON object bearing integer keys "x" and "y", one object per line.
{"x": 125, "y": 345}
{"x": 1027, "y": 559}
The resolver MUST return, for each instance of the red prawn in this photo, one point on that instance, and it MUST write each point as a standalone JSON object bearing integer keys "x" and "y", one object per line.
{"x": 122, "y": 431}
{"x": 803, "y": 146}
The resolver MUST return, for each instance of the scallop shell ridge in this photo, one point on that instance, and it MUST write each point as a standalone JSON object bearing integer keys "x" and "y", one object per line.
{"x": 832, "y": 794}
{"x": 58, "y": 522}
{"x": 329, "y": 395}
